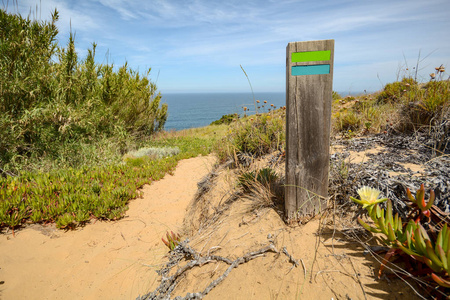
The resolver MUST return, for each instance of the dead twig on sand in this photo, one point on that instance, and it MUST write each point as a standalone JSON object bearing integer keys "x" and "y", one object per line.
{"x": 183, "y": 250}
{"x": 291, "y": 259}
{"x": 359, "y": 280}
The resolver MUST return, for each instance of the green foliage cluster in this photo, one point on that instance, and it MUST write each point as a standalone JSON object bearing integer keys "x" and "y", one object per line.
{"x": 409, "y": 238}
{"x": 349, "y": 120}
{"x": 427, "y": 106}
{"x": 336, "y": 96}
{"x": 266, "y": 177}
{"x": 351, "y": 115}
{"x": 173, "y": 239}
{"x": 396, "y": 91}
{"x": 254, "y": 136}
{"x": 72, "y": 197}
{"x": 403, "y": 106}
{"x": 225, "y": 119}
{"x": 52, "y": 104}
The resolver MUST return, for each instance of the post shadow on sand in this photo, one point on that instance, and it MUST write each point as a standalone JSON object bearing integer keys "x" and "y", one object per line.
{"x": 354, "y": 243}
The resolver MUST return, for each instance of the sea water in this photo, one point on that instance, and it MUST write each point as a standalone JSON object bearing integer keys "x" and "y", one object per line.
{"x": 189, "y": 110}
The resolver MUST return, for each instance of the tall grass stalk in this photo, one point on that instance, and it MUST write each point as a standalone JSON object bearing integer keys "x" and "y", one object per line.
{"x": 254, "y": 99}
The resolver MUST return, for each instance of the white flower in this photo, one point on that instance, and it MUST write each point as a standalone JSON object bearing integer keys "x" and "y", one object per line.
{"x": 368, "y": 194}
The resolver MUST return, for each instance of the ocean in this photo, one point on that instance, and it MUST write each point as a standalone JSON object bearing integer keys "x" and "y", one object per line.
{"x": 190, "y": 110}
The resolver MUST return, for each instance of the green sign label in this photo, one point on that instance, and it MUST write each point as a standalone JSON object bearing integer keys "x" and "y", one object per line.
{"x": 311, "y": 56}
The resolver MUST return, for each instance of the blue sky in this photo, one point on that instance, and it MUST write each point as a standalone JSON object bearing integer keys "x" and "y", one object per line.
{"x": 199, "y": 45}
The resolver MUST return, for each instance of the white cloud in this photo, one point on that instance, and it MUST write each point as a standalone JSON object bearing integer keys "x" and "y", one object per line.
{"x": 122, "y": 7}
{"x": 369, "y": 35}
{"x": 69, "y": 16}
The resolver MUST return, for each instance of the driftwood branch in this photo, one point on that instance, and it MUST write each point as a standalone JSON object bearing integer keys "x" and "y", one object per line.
{"x": 183, "y": 250}
{"x": 291, "y": 259}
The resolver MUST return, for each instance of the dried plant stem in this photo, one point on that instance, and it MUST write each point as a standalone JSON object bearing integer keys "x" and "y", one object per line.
{"x": 168, "y": 283}
{"x": 254, "y": 99}
{"x": 359, "y": 281}
{"x": 291, "y": 259}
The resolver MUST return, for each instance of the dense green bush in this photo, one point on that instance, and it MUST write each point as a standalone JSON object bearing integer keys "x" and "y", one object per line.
{"x": 396, "y": 91}
{"x": 347, "y": 120}
{"x": 255, "y": 136}
{"x": 225, "y": 119}
{"x": 427, "y": 107}
{"x": 52, "y": 104}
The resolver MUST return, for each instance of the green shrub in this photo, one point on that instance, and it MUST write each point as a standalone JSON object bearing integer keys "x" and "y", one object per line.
{"x": 428, "y": 108}
{"x": 437, "y": 94}
{"x": 254, "y": 136}
{"x": 347, "y": 120}
{"x": 336, "y": 96}
{"x": 52, "y": 102}
{"x": 226, "y": 119}
{"x": 396, "y": 91}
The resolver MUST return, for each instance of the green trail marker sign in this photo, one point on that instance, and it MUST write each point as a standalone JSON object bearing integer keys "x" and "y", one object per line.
{"x": 309, "y": 84}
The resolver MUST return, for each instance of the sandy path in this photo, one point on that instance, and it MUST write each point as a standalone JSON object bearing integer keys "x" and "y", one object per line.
{"x": 108, "y": 260}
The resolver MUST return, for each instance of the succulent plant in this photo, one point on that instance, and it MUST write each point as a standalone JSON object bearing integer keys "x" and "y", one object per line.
{"x": 409, "y": 237}
{"x": 369, "y": 197}
{"x": 418, "y": 202}
{"x": 172, "y": 240}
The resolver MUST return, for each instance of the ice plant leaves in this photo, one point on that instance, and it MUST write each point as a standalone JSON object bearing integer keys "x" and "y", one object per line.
{"x": 409, "y": 238}
{"x": 419, "y": 200}
{"x": 172, "y": 240}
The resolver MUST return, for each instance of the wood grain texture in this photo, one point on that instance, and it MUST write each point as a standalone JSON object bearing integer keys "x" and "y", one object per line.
{"x": 308, "y": 125}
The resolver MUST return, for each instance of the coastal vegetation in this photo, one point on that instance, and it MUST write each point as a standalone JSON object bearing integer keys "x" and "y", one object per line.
{"x": 70, "y": 129}
{"x": 58, "y": 110}
{"x": 405, "y": 106}
{"x": 78, "y": 140}
{"x": 416, "y": 233}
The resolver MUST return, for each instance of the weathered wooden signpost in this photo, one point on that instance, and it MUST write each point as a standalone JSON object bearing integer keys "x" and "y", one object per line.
{"x": 309, "y": 81}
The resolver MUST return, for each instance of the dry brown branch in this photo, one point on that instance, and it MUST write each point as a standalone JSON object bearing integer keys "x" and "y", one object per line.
{"x": 183, "y": 250}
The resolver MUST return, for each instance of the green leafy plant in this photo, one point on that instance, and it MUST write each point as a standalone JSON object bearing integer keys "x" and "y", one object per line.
{"x": 265, "y": 177}
{"x": 336, "y": 96}
{"x": 409, "y": 238}
{"x": 347, "y": 120}
{"x": 396, "y": 91}
{"x": 254, "y": 136}
{"x": 59, "y": 110}
{"x": 172, "y": 240}
{"x": 226, "y": 119}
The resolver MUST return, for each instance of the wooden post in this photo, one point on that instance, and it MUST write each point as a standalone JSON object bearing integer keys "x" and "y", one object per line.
{"x": 309, "y": 83}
